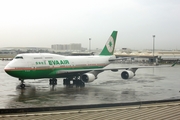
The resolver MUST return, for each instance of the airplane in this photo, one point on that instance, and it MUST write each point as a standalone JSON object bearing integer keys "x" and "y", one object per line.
{"x": 76, "y": 70}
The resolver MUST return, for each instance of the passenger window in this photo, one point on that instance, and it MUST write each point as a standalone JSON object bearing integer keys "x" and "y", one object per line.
{"x": 38, "y": 58}
{"x": 18, "y": 57}
{"x": 48, "y": 58}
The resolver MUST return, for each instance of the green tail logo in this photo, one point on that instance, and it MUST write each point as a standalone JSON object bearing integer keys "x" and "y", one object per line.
{"x": 110, "y": 45}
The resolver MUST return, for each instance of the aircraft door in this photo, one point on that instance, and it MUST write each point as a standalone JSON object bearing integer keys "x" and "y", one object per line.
{"x": 27, "y": 68}
{"x": 72, "y": 65}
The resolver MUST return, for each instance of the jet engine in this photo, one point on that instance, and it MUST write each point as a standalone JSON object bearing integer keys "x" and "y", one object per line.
{"x": 127, "y": 74}
{"x": 88, "y": 77}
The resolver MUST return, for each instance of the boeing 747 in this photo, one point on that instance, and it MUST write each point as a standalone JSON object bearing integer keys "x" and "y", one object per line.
{"x": 78, "y": 69}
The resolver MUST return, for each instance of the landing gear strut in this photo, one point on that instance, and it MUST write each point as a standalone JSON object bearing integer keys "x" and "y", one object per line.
{"x": 76, "y": 82}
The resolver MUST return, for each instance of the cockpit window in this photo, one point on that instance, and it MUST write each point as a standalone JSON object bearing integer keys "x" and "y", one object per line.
{"x": 18, "y": 57}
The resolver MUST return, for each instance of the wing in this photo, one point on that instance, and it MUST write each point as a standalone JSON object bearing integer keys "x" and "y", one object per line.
{"x": 133, "y": 68}
{"x": 120, "y": 58}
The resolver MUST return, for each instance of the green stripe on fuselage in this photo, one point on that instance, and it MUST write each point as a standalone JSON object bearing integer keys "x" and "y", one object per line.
{"x": 45, "y": 73}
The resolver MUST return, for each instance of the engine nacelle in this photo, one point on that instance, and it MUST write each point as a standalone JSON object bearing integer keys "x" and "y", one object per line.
{"x": 127, "y": 74}
{"x": 88, "y": 77}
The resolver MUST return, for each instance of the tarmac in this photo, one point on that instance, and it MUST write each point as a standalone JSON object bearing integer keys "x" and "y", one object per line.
{"x": 148, "y": 84}
{"x": 159, "y": 111}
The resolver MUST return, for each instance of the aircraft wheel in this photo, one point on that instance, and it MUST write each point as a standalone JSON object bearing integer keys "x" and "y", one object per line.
{"x": 64, "y": 81}
{"x": 50, "y": 81}
{"x": 67, "y": 82}
{"x": 22, "y": 86}
{"x": 82, "y": 84}
{"x": 77, "y": 83}
{"x": 54, "y": 81}
{"x": 74, "y": 82}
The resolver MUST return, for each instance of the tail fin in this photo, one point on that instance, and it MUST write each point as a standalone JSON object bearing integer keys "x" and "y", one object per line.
{"x": 110, "y": 45}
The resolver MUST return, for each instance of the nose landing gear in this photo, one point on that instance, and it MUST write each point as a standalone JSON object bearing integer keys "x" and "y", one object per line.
{"x": 22, "y": 85}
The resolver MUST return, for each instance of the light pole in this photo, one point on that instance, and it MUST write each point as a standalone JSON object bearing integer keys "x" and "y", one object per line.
{"x": 89, "y": 44}
{"x": 153, "y": 46}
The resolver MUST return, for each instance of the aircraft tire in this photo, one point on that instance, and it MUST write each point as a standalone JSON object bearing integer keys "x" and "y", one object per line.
{"x": 77, "y": 83}
{"x": 22, "y": 86}
{"x": 54, "y": 81}
{"x": 67, "y": 82}
{"x": 82, "y": 84}
{"x": 50, "y": 81}
{"x": 64, "y": 81}
{"x": 74, "y": 82}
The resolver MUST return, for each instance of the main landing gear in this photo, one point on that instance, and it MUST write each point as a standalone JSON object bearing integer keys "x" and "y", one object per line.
{"x": 75, "y": 82}
{"x": 68, "y": 82}
{"x": 53, "y": 81}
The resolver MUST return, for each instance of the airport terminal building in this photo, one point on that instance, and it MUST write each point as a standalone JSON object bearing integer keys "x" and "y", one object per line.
{"x": 159, "y": 56}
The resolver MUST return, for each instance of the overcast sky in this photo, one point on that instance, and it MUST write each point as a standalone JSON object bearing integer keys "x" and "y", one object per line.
{"x": 41, "y": 23}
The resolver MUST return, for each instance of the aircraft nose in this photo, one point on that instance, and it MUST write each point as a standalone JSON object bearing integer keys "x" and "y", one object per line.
{"x": 7, "y": 68}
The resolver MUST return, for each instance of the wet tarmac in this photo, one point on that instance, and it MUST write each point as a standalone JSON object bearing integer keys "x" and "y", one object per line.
{"x": 148, "y": 84}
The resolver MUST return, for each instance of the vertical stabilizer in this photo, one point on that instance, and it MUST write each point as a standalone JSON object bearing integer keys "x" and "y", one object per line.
{"x": 110, "y": 45}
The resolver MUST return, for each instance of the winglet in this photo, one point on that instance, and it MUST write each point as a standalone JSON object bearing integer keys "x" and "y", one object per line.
{"x": 175, "y": 63}
{"x": 110, "y": 45}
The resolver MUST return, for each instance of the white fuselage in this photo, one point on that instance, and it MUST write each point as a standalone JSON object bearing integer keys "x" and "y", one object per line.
{"x": 36, "y": 60}
{"x": 36, "y": 63}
